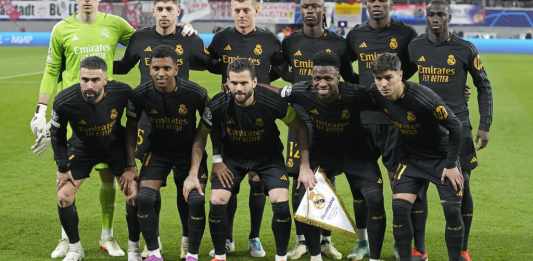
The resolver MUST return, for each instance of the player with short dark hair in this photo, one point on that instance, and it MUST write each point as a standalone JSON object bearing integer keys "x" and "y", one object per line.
{"x": 365, "y": 42}
{"x": 191, "y": 54}
{"x": 170, "y": 104}
{"x": 245, "y": 138}
{"x": 430, "y": 140}
{"x": 262, "y": 49}
{"x": 93, "y": 108}
{"x": 339, "y": 143}
{"x": 84, "y": 34}
{"x": 444, "y": 60}
{"x": 298, "y": 50}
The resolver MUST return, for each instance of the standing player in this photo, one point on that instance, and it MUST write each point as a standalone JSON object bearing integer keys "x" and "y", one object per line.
{"x": 444, "y": 60}
{"x": 93, "y": 108}
{"x": 430, "y": 141}
{"x": 365, "y": 42}
{"x": 339, "y": 144}
{"x": 190, "y": 55}
{"x": 170, "y": 104}
{"x": 88, "y": 33}
{"x": 298, "y": 50}
{"x": 245, "y": 138}
{"x": 262, "y": 48}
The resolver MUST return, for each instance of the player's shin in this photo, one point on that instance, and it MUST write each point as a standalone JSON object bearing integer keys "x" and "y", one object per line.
{"x": 69, "y": 220}
{"x": 217, "y": 226}
{"x": 134, "y": 231}
{"x": 256, "y": 203}
{"x": 454, "y": 228}
{"x": 183, "y": 210}
{"x": 376, "y": 222}
{"x": 419, "y": 214}
{"x": 147, "y": 216}
{"x": 281, "y": 226}
{"x": 402, "y": 227}
{"x": 467, "y": 210}
{"x": 231, "y": 210}
{"x": 196, "y": 221}
{"x": 295, "y": 203}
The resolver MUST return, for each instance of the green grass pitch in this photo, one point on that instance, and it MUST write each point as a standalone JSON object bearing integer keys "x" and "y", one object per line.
{"x": 29, "y": 228}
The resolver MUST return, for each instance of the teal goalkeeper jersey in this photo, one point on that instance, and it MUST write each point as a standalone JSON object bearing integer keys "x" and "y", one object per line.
{"x": 72, "y": 41}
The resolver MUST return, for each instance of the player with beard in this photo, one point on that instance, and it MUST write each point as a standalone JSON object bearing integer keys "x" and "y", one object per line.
{"x": 87, "y": 33}
{"x": 262, "y": 49}
{"x": 444, "y": 61}
{"x": 245, "y": 138}
{"x": 429, "y": 145}
{"x": 365, "y": 42}
{"x": 298, "y": 50}
{"x": 93, "y": 108}
{"x": 339, "y": 143}
{"x": 190, "y": 53}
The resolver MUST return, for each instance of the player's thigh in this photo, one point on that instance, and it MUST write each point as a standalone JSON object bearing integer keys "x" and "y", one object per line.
{"x": 468, "y": 156}
{"x": 408, "y": 179}
{"x": 363, "y": 176}
{"x": 237, "y": 169}
{"x": 274, "y": 176}
{"x": 390, "y": 152}
{"x": 155, "y": 168}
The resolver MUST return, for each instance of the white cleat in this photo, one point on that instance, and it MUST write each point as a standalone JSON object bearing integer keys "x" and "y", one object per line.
{"x": 111, "y": 247}
{"x": 61, "y": 249}
{"x": 330, "y": 251}
{"x": 184, "y": 247}
{"x": 144, "y": 253}
{"x": 298, "y": 251}
{"x": 134, "y": 255}
{"x": 256, "y": 248}
{"x": 316, "y": 258}
{"x": 74, "y": 255}
{"x": 230, "y": 247}
{"x": 359, "y": 251}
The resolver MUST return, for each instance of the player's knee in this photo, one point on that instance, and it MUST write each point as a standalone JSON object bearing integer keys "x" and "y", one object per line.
{"x": 278, "y": 195}
{"x": 401, "y": 207}
{"x": 146, "y": 199}
{"x": 281, "y": 211}
{"x": 196, "y": 202}
{"x": 65, "y": 197}
{"x": 452, "y": 210}
{"x": 420, "y": 205}
{"x": 219, "y": 197}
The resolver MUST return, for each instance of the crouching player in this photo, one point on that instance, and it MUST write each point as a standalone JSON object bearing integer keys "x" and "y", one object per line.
{"x": 93, "y": 108}
{"x": 245, "y": 138}
{"x": 430, "y": 138}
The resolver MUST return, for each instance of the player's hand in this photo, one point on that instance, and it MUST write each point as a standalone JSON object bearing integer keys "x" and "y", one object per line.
{"x": 128, "y": 184}
{"x": 454, "y": 176}
{"x": 63, "y": 178}
{"x": 224, "y": 175}
{"x": 191, "y": 183}
{"x": 482, "y": 139}
{"x": 38, "y": 122}
{"x": 468, "y": 92}
{"x": 306, "y": 177}
{"x": 187, "y": 29}
{"x": 42, "y": 141}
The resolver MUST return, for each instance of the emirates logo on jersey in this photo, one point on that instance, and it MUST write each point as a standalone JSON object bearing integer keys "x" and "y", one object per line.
{"x": 258, "y": 50}
{"x": 393, "y": 43}
{"x": 179, "y": 49}
{"x": 451, "y": 59}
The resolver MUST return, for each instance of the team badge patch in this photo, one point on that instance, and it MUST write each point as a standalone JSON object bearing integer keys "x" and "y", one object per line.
{"x": 182, "y": 110}
{"x": 411, "y": 116}
{"x": 451, "y": 59}
{"x": 114, "y": 114}
{"x": 258, "y": 50}
{"x": 441, "y": 113}
{"x": 328, "y": 51}
{"x": 477, "y": 63}
{"x": 318, "y": 200}
{"x": 393, "y": 43}
{"x": 179, "y": 49}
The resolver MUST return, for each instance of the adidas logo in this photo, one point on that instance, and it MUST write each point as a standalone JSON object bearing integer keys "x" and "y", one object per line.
{"x": 82, "y": 122}
{"x": 363, "y": 45}
{"x": 148, "y": 49}
{"x": 298, "y": 53}
{"x": 227, "y": 47}
{"x": 422, "y": 59}
{"x": 284, "y": 178}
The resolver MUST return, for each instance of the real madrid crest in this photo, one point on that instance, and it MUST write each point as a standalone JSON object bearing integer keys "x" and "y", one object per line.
{"x": 328, "y": 51}
{"x": 182, "y": 110}
{"x": 411, "y": 116}
{"x": 393, "y": 43}
{"x": 179, "y": 49}
{"x": 451, "y": 59}
{"x": 114, "y": 114}
{"x": 258, "y": 50}
{"x": 477, "y": 63}
{"x": 319, "y": 201}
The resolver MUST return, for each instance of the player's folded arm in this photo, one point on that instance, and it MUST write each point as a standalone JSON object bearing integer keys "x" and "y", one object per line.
{"x": 58, "y": 132}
